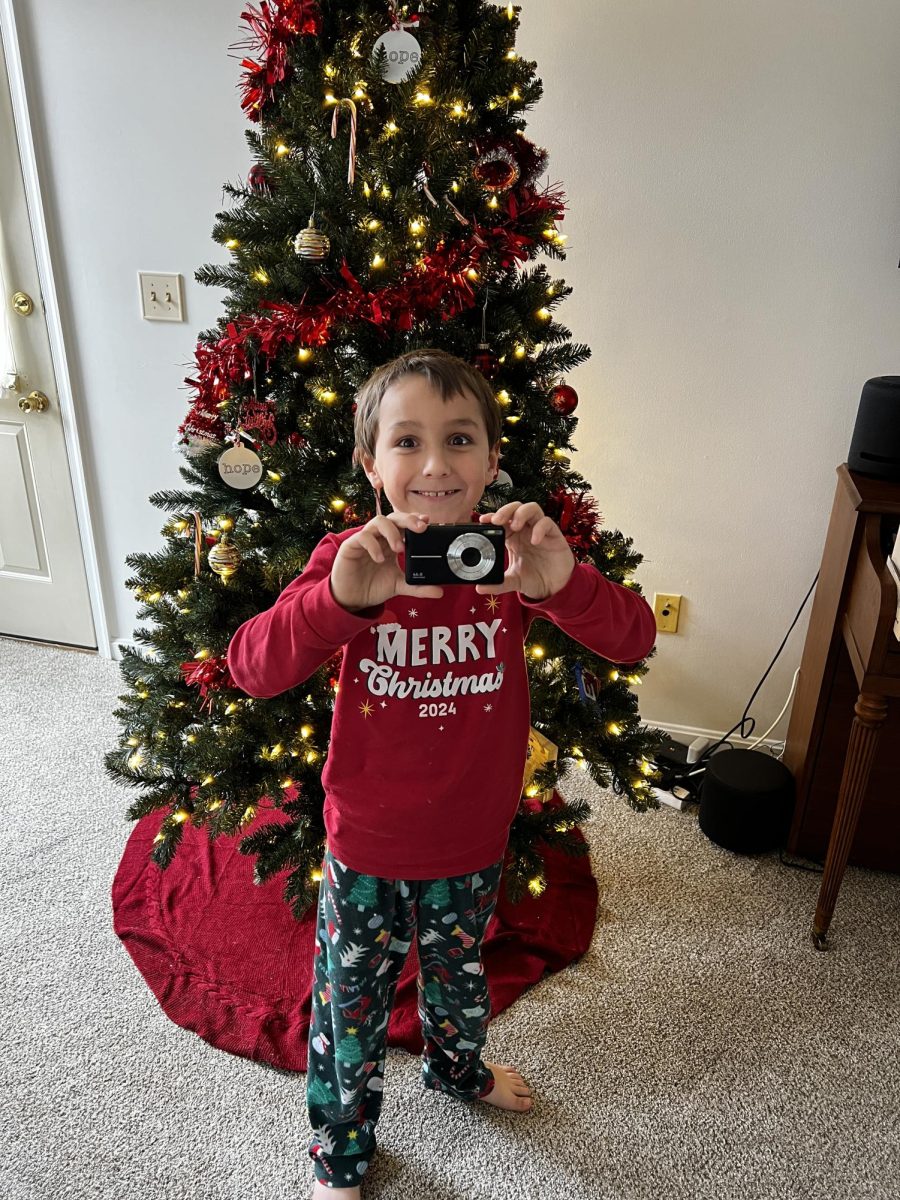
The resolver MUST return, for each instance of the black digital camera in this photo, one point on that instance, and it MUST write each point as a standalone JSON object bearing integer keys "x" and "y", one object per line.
{"x": 455, "y": 554}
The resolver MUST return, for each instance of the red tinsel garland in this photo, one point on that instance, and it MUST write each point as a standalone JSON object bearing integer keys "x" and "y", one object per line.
{"x": 437, "y": 282}
{"x": 272, "y": 26}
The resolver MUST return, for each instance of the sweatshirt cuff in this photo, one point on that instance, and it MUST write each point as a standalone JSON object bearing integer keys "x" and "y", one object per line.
{"x": 330, "y": 621}
{"x": 571, "y": 600}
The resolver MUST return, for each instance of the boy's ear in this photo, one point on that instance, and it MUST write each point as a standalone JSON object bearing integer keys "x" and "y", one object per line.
{"x": 367, "y": 462}
{"x": 494, "y": 461}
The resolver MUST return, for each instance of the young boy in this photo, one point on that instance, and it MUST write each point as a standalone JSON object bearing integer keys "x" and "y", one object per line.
{"x": 428, "y": 743}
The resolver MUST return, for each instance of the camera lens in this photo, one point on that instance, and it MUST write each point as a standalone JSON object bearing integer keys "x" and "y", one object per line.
{"x": 471, "y": 556}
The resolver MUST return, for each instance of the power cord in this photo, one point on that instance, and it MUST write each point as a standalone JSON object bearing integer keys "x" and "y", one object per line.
{"x": 744, "y": 718}
{"x": 700, "y": 766}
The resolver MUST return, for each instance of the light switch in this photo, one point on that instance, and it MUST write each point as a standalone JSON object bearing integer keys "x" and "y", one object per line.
{"x": 162, "y": 296}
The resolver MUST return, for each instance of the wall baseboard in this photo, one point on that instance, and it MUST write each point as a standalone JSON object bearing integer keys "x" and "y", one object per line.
{"x": 687, "y": 733}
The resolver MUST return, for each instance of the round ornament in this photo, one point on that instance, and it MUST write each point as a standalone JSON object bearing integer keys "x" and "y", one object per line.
{"x": 311, "y": 243}
{"x": 564, "y": 399}
{"x": 403, "y": 54}
{"x": 224, "y": 559}
{"x": 503, "y": 480}
{"x": 486, "y": 361}
{"x": 240, "y": 467}
{"x": 258, "y": 180}
{"x": 496, "y": 169}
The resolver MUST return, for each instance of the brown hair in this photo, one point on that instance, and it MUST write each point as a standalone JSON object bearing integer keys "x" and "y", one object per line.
{"x": 445, "y": 372}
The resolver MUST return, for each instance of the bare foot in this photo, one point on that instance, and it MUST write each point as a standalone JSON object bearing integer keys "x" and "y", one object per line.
{"x": 510, "y": 1090}
{"x": 321, "y": 1192}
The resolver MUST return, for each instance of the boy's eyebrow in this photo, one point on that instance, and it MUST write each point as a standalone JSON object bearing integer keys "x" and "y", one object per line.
{"x": 418, "y": 424}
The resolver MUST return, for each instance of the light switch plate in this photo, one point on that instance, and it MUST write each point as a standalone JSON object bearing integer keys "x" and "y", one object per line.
{"x": 666, "y": 608}
{"x": 162, "y": 296}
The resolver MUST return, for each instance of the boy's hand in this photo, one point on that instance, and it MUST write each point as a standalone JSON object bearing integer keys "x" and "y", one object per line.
{"x": 540, "y": 559}
{"x": 365, "y": 571}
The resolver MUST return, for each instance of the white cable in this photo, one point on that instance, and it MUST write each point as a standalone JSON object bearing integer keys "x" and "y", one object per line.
{"x": 793, "y": 684}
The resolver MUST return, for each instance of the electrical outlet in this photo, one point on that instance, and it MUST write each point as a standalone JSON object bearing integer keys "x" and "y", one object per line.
{"x": 666, "y": 609}
{"x": 162, "y": 296}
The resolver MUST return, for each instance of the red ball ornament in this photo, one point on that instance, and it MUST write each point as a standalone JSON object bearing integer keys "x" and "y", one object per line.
{"x": 496, "y": 169}
{"x": 564, "y": 399}
{"x": 486, "y": 361}
{"x": 258, "y": 180}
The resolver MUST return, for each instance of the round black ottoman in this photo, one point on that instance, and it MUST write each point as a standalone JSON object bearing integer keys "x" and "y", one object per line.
{"x": 746, "y": 801}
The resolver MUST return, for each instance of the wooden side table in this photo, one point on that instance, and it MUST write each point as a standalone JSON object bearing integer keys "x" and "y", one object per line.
{"x": 855, "y": 605}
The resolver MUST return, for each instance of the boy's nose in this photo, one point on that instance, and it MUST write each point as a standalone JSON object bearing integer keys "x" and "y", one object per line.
{"x": 436, "y": 464}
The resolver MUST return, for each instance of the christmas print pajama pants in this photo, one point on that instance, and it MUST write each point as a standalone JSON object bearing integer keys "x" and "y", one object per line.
{"x": 365, "y": 927}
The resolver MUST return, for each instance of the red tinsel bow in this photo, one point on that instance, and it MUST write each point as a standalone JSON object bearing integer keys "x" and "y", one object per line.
{"x": 210, "y": 675}
{"x": 220, "y": 365}
{"x": 577, "y": 516}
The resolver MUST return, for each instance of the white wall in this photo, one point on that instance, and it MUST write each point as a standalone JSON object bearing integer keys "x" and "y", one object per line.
{"x": 733, "y": 171}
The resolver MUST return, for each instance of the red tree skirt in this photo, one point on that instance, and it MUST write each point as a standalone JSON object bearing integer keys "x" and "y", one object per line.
{"x": 227, "y": 960}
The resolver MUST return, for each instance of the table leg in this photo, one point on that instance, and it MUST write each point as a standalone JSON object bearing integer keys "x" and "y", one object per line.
{"x": 870, "y": 714}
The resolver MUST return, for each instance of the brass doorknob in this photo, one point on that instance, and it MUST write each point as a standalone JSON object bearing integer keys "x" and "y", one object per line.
{"x": 34, "y": 402}
{"x": 23, "y": 304}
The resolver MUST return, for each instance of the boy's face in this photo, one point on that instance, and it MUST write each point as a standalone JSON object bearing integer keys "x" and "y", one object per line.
{"x": 428, "y": 445}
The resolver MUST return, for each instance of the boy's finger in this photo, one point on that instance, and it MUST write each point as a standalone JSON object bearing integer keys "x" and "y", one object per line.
{"x": 504, "y": 513}
{"x": 372, "y": 543}
{"x": 530, "y": 512}
{"x": 408, "y": 520}
{"x": 540, "y": 529}
{"x": 510, "y": 584}
{"x": 384, "y": 527}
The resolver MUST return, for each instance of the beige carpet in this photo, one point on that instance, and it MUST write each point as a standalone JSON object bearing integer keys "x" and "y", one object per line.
{"x": 702, "y": 1048}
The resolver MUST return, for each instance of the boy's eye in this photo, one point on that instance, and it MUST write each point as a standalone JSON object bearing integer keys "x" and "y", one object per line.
{"x": 454, "y": 436}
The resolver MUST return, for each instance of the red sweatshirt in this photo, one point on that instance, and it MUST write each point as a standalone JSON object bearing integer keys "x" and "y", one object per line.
{"x": 432, "y": 714}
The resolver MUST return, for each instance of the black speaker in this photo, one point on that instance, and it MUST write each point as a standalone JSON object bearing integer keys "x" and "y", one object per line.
{"x": 746, "y": 801}
{"x": 875, "y": 448}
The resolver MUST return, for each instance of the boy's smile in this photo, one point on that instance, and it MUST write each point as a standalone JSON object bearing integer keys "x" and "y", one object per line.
{"x": 431, "y": 454}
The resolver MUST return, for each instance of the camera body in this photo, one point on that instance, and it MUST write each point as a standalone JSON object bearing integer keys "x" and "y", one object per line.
{"x": 447, "y": 554}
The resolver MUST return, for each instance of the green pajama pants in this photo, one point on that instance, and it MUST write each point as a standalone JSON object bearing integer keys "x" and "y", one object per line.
{"x": 365, "y": 927}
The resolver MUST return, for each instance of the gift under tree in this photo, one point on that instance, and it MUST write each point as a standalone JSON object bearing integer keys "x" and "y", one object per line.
{"x": 394, "y": 202}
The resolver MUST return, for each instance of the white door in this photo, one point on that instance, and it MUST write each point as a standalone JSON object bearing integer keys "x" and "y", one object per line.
{"x": 43, "y": 584}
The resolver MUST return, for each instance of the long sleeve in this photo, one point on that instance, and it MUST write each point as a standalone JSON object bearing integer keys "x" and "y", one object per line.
{"x": 279, "y": 648}
{"x": 603, "y": 616}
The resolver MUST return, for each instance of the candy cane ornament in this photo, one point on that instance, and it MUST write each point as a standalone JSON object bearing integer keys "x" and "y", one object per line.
{"x": 351, "y": 169}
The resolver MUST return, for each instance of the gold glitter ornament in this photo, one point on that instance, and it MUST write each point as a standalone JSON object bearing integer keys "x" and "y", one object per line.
{"x": 311, "y": 243}
{"x": 224, "y": 558}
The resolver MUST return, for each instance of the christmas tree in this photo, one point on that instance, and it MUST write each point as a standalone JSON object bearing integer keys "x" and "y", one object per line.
{"x": 394, "y": 202}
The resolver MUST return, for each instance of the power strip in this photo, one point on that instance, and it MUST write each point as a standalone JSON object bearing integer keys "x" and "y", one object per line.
{"x": 696, "y": 748}
{"x": 670, "y": 798}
